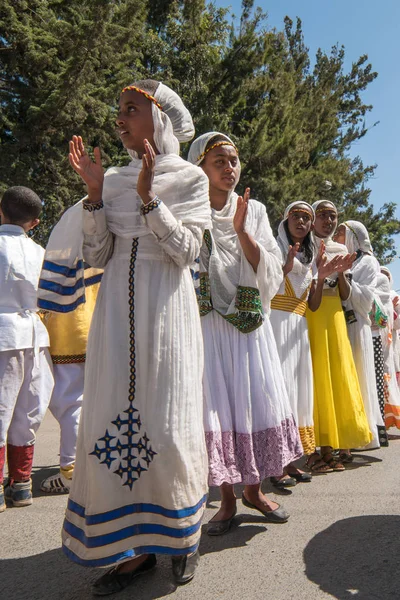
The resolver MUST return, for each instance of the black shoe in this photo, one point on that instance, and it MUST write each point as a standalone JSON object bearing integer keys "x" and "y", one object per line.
{"x": 220, "y": 527}
{"x": 113, "y": 581}
{"x": 279, "y": 515}
{"x": 183, "y": 567}
{"x": 284, "y": 482}
{"x": 301, "y": 477}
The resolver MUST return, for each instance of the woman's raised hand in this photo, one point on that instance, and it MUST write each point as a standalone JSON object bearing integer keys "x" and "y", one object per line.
{"x": 239, "y": 220}
{"x": 326, "y": 268}
{"x": 346, "y": 262}
{"x": 293, "y": 250}
{"x": 92, "y": 173}
{"x": 146, "y": 175}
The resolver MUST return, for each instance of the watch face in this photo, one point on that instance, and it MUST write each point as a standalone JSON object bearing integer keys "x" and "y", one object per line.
{"x": 350, "y": 317}
{"x": 331, "y": 282}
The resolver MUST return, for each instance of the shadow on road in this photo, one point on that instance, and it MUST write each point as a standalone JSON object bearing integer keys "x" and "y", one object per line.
{"x": 356, "y": 558}
{"x": 51, "y": 576}
{"x": 362, "y": 460}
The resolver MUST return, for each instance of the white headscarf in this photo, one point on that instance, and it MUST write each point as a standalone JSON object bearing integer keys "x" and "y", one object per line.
{"x": 172, "y": 125}
{"x": 332, "y": 248}
{"x": 357, "y": 237}
{"x": 282, "y": 239}
{"x": 197, "y": 149}
{"x": 386, "y": 271}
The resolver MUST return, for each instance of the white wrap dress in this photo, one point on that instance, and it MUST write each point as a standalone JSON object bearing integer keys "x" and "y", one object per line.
{"x": 140, "y": 480}
{"x": 250, "y": 430}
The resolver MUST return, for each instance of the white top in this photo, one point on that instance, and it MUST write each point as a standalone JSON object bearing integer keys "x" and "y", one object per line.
{"x": 20, "y": 264}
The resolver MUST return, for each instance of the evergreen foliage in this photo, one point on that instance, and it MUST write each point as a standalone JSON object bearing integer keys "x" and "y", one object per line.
{"x": 63, "y": 63}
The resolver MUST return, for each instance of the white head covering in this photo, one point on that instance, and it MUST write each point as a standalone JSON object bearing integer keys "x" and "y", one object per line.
{"x": 388, "y": 273}
{"x": 197, "y": 149}
{"x": 282, "y": 238}
{"x": 299, "y": 203}
{"x": 357, "y": 237}
{"x": 172, "y": 125}
{"x": 318, "y": 202}
{"x": 331, "y": 247}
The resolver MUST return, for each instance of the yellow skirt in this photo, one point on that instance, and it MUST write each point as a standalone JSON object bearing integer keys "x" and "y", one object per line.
{"x": 339, "y": 416}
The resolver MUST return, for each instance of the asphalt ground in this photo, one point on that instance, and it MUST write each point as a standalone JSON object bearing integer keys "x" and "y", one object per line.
{"x": 342, "y": 541}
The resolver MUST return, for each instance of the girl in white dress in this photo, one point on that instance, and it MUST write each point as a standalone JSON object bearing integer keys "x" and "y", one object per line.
{"x": 140, "y": 479}
{"x": 390, "y": 347}
{"x": 358, "y": 306}
{"x": 250, "y": 430}
{"x": 298, "y": 290}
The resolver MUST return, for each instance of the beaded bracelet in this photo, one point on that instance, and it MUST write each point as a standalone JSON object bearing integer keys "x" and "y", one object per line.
{"x": 146, "y": 208}
{"x": 91, "y": 206}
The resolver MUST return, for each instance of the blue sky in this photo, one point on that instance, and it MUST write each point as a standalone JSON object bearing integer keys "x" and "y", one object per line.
{"x": 363, "y": 27}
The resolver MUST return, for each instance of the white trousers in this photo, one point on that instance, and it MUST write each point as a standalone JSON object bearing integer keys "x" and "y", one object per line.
{"x": 65, "y": 405}
{"x": 26, "y": 384}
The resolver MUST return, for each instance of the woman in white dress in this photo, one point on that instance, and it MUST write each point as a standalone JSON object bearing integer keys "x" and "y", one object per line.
{"x": 140, "y": 479}
{"x": 250, "y": 430}
{"x": 358, "y": 306}
{"x": 390, "y": 301}
{"x": 298, "y": 290}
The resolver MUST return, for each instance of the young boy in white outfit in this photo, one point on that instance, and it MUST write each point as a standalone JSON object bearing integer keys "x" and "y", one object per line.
{"x": 26, "y": 377}
{"x": 68, "y": 322}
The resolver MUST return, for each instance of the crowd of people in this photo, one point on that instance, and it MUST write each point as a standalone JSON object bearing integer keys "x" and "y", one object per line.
{"x": 181, "y": 345}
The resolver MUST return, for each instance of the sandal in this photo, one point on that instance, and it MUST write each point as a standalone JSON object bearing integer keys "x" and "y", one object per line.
{"x": 317, "y": 466}
{"x": 333, "y": 462}
{"x": 345, "y": 457}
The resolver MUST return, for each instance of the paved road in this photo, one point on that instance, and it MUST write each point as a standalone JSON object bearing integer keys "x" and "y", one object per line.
{"x": 342, "y": 541}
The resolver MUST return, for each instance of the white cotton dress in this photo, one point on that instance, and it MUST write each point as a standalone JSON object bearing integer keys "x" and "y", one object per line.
{"x": 364, "y": 280}
{"x": 289, "y": 323}
{"x": 250, "y": 429}
{"x": 140, "y": 479}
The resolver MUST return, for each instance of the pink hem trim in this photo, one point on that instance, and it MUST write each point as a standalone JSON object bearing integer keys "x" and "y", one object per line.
{"x": 248, "y": 458}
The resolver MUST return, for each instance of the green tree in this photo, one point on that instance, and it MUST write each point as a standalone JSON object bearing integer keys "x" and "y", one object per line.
{"x": 63, "y": 63}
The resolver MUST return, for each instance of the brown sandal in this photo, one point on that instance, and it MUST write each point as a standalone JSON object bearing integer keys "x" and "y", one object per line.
{"x": 317, "y": 466}
{"x": 333, "y": 462}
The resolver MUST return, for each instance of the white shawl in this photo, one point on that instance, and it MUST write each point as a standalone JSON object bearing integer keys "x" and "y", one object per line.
{"x": 228, "y": 268}
{"x": 180, "y": 185}
{"x": 363, "y": 286}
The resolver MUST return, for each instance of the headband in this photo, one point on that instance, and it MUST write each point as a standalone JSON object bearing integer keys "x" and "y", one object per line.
{"x": 221, "y": 143}
{"x": 133, "y": 88}
{"x": 301, "y": 210}
{"x": 333, "y": 207}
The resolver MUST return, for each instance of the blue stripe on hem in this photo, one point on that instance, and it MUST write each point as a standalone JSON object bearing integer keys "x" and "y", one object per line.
{"x": 61, "y": 308}
{"x": 93, "y": 279}
{"x": 130, "y": 509}
{"x": 97, "y": 541}
{"x": 111, "y": 560}
{"x": 61, "y": 290}
{"x": 62, "y": 269}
